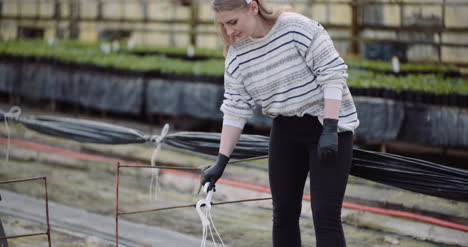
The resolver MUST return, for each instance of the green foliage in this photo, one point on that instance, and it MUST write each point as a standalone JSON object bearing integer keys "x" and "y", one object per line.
{"x": 380, "y": 65}
{"x": 91, "y": 53}
{"x": 431, "y": 83}
{"x": 213, "y": 53}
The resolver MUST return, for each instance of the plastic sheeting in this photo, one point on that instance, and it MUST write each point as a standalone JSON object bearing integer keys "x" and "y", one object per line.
{"x": 8, "y": 77}
{"x": 94, "y": 90}
{"x": 108, "y": 92}
{"x": 380, "y": 119}
{"x": 195, "y": 99}
{"x": 35, "y": 82}
{"x": 136, "y": 94}
{"x": 442, "y": 127}
{"x": 114, "y": 93}
{"x": 403, "y": 172}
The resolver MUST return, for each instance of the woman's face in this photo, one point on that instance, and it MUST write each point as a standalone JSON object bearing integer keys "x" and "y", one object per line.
{"x": 239, "y": 23}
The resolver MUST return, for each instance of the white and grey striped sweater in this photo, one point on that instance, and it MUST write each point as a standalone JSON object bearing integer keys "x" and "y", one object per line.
{"x": 286, "y": 72}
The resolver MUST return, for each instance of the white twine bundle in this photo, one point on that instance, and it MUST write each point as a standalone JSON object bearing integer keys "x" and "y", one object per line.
{"x": 12, "y": 114}
{"x": 206, "y": 219}
{"x": 154, "y": 183}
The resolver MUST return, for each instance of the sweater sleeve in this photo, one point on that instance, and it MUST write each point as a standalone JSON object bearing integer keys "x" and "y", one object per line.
{"x": 320, "y": 54}
{"x": 237, "y": 101}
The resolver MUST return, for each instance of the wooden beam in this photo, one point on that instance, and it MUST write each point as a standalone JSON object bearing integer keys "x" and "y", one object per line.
{"x": 194, "y": 12}
{"x": 355, "y": 28}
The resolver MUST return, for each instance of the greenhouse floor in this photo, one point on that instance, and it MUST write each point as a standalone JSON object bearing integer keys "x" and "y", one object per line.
{"x": 82, "y": 200}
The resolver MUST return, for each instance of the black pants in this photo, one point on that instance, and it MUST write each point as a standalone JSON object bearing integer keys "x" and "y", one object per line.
{"x": 292, "y": 154}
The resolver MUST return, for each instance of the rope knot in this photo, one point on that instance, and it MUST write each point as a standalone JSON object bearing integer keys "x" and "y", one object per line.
{"x": 159, "y": 139}
{"x": 13, "y": 114}
{"x": 155, "y": 173}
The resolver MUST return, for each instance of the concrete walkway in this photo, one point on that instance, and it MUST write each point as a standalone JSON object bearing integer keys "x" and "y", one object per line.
{"x": 81, "y": 222}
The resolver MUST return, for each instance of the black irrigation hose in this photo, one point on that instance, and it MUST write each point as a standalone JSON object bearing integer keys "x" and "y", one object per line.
{"x": 399, "y": 171}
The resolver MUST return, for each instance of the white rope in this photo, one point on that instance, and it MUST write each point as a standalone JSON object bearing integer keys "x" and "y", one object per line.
{"x": 206, "y": 219}
{"x": 154, "y": 183}
{"x": 12, "y": 114}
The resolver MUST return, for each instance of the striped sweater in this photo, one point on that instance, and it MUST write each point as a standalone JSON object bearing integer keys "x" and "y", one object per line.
{"x": 286, "y": 72}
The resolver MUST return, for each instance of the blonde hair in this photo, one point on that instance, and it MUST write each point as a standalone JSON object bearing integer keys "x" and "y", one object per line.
{"x": 264, "y": 11}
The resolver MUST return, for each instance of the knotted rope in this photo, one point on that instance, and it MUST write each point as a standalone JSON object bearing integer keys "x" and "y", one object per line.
{"x": 12, "y": 115}
{"x": 154, "y": 183}
{"x": 205, "y": 217}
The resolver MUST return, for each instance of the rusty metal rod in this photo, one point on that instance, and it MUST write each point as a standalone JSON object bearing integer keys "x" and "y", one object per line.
{"x": 191, "y": 168}
{"x": 118, "y": 213}
{"x": 44, "y": 179}
{"x": 248, "y": 159}
{"x": 47, "y": 212}
{"x": 192, "y": 205}
{"x": 162, "y": 167}
{"x": 117, "y": 207}
{"x": 157, "y": 209}
{"x": 21, "y": 180}
{"x": 245, "y": 200}
{"x": 24, "y": 235}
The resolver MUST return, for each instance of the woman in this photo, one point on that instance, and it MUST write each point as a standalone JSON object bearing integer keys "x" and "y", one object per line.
{"x": 287, "y": 64}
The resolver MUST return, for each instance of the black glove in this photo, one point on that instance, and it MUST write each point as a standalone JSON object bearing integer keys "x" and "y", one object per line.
{"x": 328, "y": 142}
{"x": 213, "y": 173}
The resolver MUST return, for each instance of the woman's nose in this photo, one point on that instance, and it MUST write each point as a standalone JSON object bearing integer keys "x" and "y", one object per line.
{"x": 230, "y": 31}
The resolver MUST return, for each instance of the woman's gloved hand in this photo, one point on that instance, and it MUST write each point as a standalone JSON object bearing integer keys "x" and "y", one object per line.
{"x": 328, "y": 142}
{"x": 213, "y": 173}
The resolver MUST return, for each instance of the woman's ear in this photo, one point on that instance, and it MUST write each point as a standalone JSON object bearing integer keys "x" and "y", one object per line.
{"x": 253, "y": 7}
